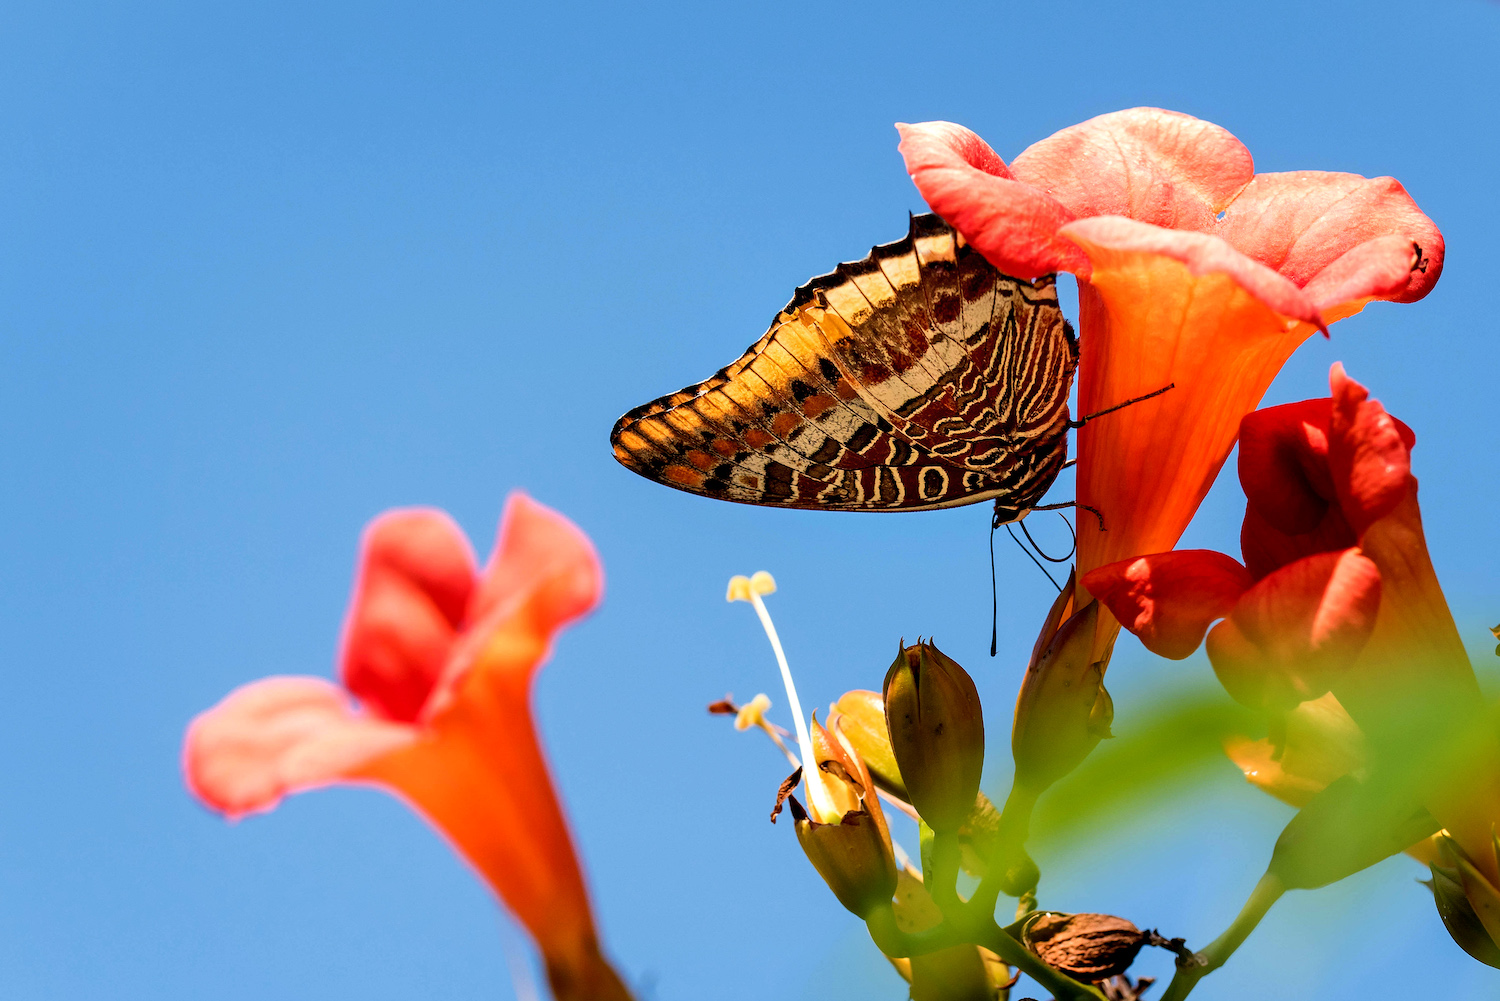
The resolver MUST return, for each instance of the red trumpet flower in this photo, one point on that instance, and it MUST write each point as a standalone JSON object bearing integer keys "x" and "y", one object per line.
{"x": 1337, "y": 594}
{"x": 1193, "y": 272}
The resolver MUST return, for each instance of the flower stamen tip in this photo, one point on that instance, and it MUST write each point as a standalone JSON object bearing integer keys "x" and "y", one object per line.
{"x": 753, "y": 713}
{"x": 741, "y": 587}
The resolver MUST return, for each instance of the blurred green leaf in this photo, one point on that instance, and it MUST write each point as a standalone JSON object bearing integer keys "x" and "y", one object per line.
{"x": 1171, "y": 748}
{"x": 1345, "y": 828}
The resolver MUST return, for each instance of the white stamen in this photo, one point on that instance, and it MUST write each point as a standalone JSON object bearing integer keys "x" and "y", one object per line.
{"x": 821, "y": 802}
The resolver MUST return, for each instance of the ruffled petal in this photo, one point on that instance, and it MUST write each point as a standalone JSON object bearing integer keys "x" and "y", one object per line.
{"x": 1344, "y": 238}
{"x": 1297, "y": 631}
{"x": 1203, "y": 255}
{"x": 1154, "y": 166}
{"x": 1169, "y": 599}
{"x": 542, "y": 561}
{"x": 1266, "y": 548}
{"x": 1369, "y": 453}
{"x": 1153, "y": 320}
{"x": 1293, "y": 508}
{"x": 1283, "y": 465}
{"x": 479, "y": 775}
{"x": 1014, "y": 225}
{"x": 415, "y": 578}
{"x": 534, "y": 545}
{"x": 278, "y": 736}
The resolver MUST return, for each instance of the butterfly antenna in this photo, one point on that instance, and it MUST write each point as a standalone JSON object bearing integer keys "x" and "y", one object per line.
{"x": 995, "y": 596}
{"x": 1033, "y": 557}
{"x": 1053, "y": 559}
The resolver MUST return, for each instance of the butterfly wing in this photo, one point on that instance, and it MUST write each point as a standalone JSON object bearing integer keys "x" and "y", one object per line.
{"x": 919, "y": 377}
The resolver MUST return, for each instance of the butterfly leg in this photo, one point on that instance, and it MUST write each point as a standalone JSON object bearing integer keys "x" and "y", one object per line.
{"x": 1074, "y": 504}
{"x": 1120, "y": 406}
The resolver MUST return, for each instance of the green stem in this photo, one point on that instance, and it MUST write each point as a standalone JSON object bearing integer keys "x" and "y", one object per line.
{"x": 1063, "y": 988}
{"x": 972, "y": 924}
{"x": 891, "y": 940}
{"x": 1017, "y": 873}
{"x": 1217, "y": 953}
{"x": 942, "y": 884}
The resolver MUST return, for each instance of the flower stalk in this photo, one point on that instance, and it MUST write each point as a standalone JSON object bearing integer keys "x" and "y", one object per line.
{"x": 1217, "y": 952}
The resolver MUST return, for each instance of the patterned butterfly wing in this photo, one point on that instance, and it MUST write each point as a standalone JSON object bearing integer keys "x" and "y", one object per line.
{"x": 919, "y": 377}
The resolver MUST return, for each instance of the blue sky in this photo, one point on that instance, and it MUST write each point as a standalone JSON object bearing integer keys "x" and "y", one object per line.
{"x": 270, "y": 269}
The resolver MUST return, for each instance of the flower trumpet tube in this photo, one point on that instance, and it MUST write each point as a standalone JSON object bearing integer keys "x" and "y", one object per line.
{"x": 441, "y": 658}
{"x": 1193, "y": 272}
{"x": 1316, "y": 743}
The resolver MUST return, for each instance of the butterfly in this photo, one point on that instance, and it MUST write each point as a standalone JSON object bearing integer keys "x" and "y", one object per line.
{"x": 917, "y": 378}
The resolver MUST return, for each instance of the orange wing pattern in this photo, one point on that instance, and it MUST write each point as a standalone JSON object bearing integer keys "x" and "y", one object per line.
{"x": 917, "y": 378}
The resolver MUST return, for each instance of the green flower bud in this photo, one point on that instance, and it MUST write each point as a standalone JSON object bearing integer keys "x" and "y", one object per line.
{"x": 1063, "y": 709}
{"x": 936, "y": 728}
{"x": 853, "y": 857}
{"x": 958, "y": 973}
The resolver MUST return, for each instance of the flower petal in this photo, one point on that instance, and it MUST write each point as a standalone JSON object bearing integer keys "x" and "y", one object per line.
{"x": 1169, "y": 599}
{"x": 1155, "y": 320}
{"x": 415, "y": 577}
{"x": 277, "y": 736}
{"x": 1283, "y": 465}
{"x": 1298, "y": 630}
{"x": 542, "y": 561}
{"x": 479, "y": 775}
{"x": 1154, "y": 166}
{"x": 1369, "y": 453}
{"x": 1203, "y": 254}
{"x": 1266, "y": 548}
{"x": 1320, "y": 744}
{"x": 535, "y": 544}
{"x": 1014, "y": 225}
{"x": 1342, "y": 237}
{"x": 1293, "y": 507}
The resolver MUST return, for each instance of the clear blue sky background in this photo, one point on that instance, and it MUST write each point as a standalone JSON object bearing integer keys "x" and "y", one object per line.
{"x": 271, "y": 268}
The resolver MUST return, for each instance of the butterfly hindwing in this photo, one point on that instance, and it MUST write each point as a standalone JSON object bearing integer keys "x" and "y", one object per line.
{"x": 919, "y": 377}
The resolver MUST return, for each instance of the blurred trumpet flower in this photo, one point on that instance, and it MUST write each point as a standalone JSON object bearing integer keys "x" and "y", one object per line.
{"x": 440, "y": 658}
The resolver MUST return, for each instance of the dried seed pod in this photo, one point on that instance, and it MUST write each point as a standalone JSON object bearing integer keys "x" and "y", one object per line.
{"x": 1089, "y": 947}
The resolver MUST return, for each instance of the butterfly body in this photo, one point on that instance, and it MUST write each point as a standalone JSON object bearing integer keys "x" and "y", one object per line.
{"x": 917, "y": 378}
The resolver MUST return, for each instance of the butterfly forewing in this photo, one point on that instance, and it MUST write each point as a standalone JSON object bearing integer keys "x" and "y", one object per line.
{"x": 919, "y": 377}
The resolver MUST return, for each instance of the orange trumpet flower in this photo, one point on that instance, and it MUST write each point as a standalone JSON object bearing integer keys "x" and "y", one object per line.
{"x": 441, "y": 659}
{"x": 1193, "y": 272}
